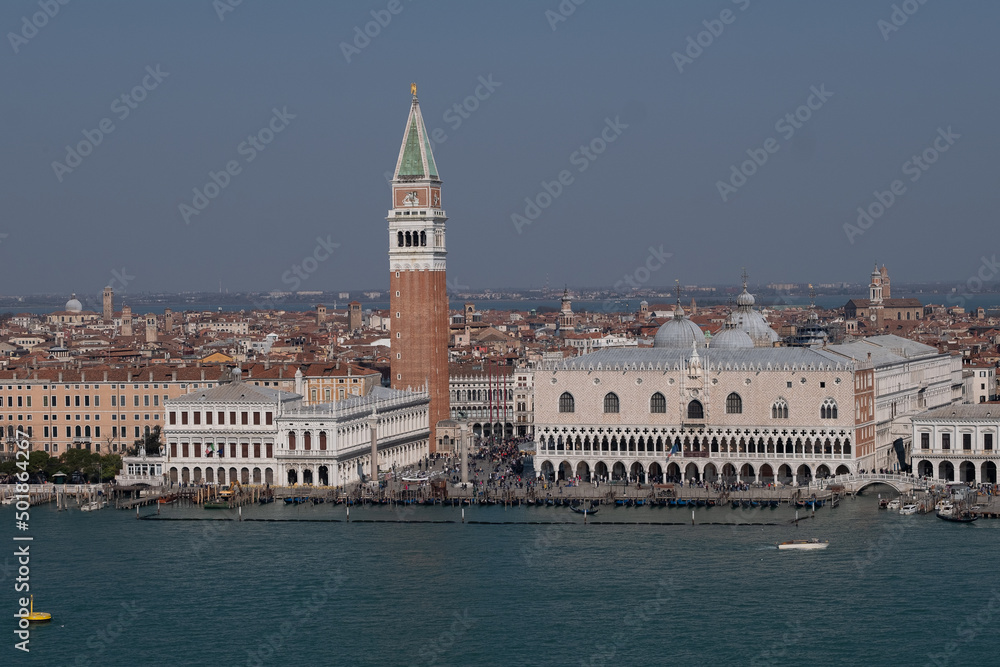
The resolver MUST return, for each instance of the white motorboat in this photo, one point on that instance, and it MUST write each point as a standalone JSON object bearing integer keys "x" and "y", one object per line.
{"x": 804, "y": 544}
{"x": 92, "y": 506}
{"x": 893, "y": 504}
{"x": 908, "y": 509}
{"x": 945, "y": 508}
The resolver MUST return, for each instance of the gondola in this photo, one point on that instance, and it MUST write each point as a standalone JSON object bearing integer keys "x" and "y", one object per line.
{"x": 582, "y": 510}
{"x": 957, "y": 517}
{"x": 265, "y": 500}
{"x": 736, "y": 504}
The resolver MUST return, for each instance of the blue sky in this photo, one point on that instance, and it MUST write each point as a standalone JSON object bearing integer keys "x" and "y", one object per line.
{"x": 685, "y": 116}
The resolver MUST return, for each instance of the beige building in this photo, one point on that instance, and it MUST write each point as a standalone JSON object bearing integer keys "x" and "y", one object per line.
{"x": 734, "y": 410}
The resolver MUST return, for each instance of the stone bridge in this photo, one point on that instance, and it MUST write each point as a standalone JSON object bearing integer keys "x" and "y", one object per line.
{"x": 855, "y": 483}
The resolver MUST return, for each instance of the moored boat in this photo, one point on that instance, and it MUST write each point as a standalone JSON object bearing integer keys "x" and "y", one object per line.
{"x": 804, "y": 544}
{"x": 958, "y": 516}
{"x": 908, "y": 509}
{"x": 584, "y": 510}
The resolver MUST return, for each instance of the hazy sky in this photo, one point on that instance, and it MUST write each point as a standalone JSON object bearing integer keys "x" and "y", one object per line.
{"x": 676, "y": 118}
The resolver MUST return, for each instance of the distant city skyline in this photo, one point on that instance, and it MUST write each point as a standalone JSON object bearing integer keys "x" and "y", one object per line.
{"x": 250, "y": 144}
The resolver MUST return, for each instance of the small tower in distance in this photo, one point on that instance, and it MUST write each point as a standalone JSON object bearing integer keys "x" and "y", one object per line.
{"x": 320, "y": 315}
{"x": 109, "y": 304}
{"x": 354, "y": 316}
{"x": 151, "y": 328}
{"x": 126, "y": 320}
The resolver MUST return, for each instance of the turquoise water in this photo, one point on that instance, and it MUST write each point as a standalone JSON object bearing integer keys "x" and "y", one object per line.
{"x": 889, "y": 590}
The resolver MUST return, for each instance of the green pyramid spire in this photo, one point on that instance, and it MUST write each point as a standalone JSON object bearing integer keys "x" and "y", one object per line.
{"x": 416, "y": 161}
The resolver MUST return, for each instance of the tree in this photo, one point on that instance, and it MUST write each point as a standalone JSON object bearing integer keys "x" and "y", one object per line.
{"x": 150, "y": 440}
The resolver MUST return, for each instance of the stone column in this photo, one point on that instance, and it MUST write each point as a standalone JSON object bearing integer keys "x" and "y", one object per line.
{"x": 464, "y": 445}
{"x": 373, "y": 425}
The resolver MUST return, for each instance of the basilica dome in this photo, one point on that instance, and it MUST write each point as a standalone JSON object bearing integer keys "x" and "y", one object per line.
{"x": 730, "y": 338}
{"x": 751, "y": 321}
{"x": 73, "y": 305}
{"x": 679, "y": 333}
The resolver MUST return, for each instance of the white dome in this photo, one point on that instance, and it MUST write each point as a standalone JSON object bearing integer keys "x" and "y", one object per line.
{"x": 745, "y": 298}
{"x": 731, "y": 338}
{"x": 73, "y": 305}
{"x": 679, "y": 332}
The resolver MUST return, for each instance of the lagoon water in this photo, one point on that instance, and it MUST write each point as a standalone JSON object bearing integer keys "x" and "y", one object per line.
{"x": 890, "y": 589}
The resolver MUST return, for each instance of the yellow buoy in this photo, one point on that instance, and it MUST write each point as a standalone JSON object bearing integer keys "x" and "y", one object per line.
{"x": 37, "y": 616}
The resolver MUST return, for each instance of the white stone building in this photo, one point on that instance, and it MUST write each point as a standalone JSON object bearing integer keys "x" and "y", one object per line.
{"x": 224, "y": 434}
{"x": 498, "y": 400}
{"x": 958, "y": 442}
{"x": 331, "y": 443}
{"x": 258, "y": 435}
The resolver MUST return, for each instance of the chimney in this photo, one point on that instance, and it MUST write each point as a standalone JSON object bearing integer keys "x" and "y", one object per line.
{"x": 150, "y": 376}
{"x": 130, "y": 376}
{"x": 281, "y": 371}
{"x": 60, "y": 376}
{"x": 173, "y": 376}
{"x": 83, "y": 376}
{"x": 105, "y": 376}
{"x": 202, "y": 374}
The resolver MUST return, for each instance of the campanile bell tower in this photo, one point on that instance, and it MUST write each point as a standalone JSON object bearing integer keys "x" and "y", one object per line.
{"x": 418, "y": 297}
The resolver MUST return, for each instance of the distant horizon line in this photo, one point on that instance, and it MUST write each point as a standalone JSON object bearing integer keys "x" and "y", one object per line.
{"x": 555, "y": 291}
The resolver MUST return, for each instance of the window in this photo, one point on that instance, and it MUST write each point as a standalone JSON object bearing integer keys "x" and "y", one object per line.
{"x": 946, "y": 441}
{"x": 244, "y": 418}
{"x": 987, "y": 441}
{"x": 610, "y": 403}
{"x": 566, "y": 402}
{"x": 256, "y": 418}
{"x": 173, "y": 418}
{"x": 828, "y": 410}
{"x": 184, "y": 418}
{"x": 779, "y": 409}
{"x": 925, "y": 441}
{"x": 197, "y": 417}
{"x": 696, "y": 410}
{"x": 268, "y": 419}
{"x": 734, "y": 404}
{"x": 658, "y": 404}
{"x": 966, "y": 441}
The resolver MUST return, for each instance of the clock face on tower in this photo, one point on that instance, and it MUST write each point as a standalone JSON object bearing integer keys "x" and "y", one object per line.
{"x": 874, "y": 317}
